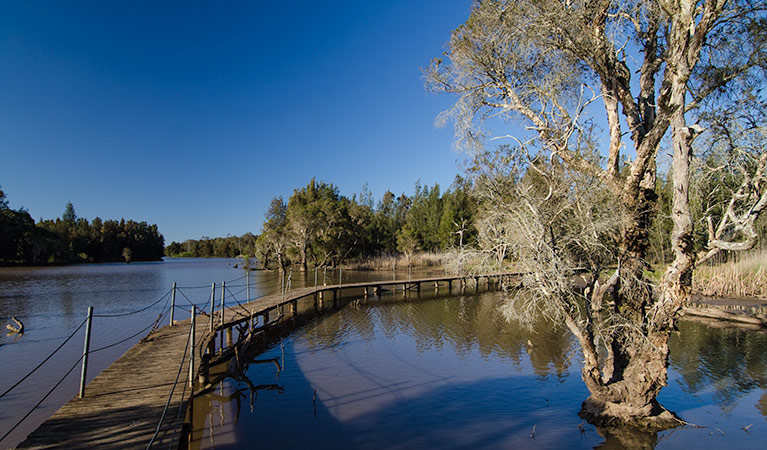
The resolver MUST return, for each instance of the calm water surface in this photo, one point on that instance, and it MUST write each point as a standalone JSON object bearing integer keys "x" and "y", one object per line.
{"x": 391, "y": 373}
{"x": 53, "y": 302}
{"x": 449, "y": 372}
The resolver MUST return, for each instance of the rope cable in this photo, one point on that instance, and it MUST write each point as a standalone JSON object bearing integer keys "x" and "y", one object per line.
{"x": 170, "y": 397}
{"x": 247, "y": 313}
{"x": 205, "y": 303}
{"x": 160, "y": 317}
{"x": 43, "y": 399}
{"x": 137, "y": 311}
{"x": 44, "y": 361}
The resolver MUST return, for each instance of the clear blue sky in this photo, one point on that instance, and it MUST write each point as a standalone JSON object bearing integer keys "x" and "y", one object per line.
{"x": 193, "y": 115}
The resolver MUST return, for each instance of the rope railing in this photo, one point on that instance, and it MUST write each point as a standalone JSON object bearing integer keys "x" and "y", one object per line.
{"x": 237, "y": 301}
{"x": 138, "y": 310}
{"x": 175, "y": 383}
{"x": 7, "y": 433}
{"x": 201, "y": 308}
{"x": 44, "y": 361}
{"x": 151, "y": 325}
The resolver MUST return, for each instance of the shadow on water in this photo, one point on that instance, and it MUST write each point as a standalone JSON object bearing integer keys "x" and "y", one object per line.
{"x": 241, "y": 413}
{"x": 450, "y": 372}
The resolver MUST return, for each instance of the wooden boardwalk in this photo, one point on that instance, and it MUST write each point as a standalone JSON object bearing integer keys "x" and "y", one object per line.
{"x": 124, "y": 404}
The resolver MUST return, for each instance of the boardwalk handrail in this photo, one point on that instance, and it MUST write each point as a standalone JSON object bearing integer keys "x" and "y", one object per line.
{"x": 138, "y": 310}
{"x": 44, "y": 361}
{"x": 309, "y": 290}
{"x": 164, "y": 312}
{"x": 77, "y": 363}
{"x": 175, "y": 383}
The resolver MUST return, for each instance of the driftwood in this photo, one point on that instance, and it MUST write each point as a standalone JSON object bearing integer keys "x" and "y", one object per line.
{"x": 16, "y": 329}
{"x": 715, "y": 313}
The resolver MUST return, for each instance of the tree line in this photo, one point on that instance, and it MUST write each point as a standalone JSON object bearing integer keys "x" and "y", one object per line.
{"x": 319, "y": 227}
{"x": 72, "y": 239}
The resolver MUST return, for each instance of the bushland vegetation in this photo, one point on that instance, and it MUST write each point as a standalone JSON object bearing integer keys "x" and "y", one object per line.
{"x": 320, "y": 227}
{"x": 70, "y": 239}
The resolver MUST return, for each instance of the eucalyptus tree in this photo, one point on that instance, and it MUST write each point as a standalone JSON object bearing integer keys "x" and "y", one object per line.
{"x": 644, "y": 69}
{"x": 273, "y": 242}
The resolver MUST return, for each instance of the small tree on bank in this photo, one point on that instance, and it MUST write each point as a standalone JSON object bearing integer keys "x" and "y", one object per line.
{"x": 551, "y": 66}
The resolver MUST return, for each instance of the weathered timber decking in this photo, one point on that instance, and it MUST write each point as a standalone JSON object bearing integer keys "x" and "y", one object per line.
{"x": 241, "y": 313}
{"x": 124, "y": 404}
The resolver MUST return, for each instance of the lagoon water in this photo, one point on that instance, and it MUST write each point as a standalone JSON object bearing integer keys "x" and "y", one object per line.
{"x": 450, "y": 372}
{"x": 430, "y": 371}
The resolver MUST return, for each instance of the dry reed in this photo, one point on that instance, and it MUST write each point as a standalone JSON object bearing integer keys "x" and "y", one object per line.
{"x": 388, "y": 262}
{"x": 743, "y": 275}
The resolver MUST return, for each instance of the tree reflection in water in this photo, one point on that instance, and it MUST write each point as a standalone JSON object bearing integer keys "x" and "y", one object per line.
{"x": 729, "y": 361}
{"x": 452, "y": 372}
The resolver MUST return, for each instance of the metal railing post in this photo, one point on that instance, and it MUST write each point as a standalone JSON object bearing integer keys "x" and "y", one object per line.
{"x": 212, "y": 305}
{"x": 223, "y": 301}
{"x": 86, "y": 349}
{"x": 191, "y": 349}
{"x": 173, "y": 303}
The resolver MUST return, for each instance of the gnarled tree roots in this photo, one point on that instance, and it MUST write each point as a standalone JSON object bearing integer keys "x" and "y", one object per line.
{"x": 650, "y": 417}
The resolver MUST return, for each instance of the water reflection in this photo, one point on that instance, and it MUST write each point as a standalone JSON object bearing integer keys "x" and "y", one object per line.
{"x": 451, "y": 372}
{"x": 729, "y": 361}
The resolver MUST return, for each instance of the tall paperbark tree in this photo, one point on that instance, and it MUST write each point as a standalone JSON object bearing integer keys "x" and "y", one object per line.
{"x": 550, "y": 66}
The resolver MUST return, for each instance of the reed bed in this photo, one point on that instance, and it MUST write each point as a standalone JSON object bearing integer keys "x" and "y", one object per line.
{"x": 742, "y": 276}
{"x": 388, "y": 262}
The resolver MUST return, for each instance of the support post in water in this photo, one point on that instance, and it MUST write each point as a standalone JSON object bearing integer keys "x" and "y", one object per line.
{"x": 86, "y": 349}
{"x": 247, "y": 285}
{"x": 172, "y": 303}
{"x": 191, "y": 350}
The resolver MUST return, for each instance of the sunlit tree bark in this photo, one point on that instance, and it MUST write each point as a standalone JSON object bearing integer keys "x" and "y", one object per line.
{"x": 549, "y": 67}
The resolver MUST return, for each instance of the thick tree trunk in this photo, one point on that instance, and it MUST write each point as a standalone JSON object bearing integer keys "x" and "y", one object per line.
{"x": 625, "y": 384}
{"x": 629, "y": 396}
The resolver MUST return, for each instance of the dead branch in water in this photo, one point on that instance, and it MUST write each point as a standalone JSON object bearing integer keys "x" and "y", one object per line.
{"x": 16, "y": 329}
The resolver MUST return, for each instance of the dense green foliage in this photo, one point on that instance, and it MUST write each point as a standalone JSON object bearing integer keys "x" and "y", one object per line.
{"x": 319, "y": 227}
{"x": 226, "y": 247}
{"x": 72, "y": 239}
